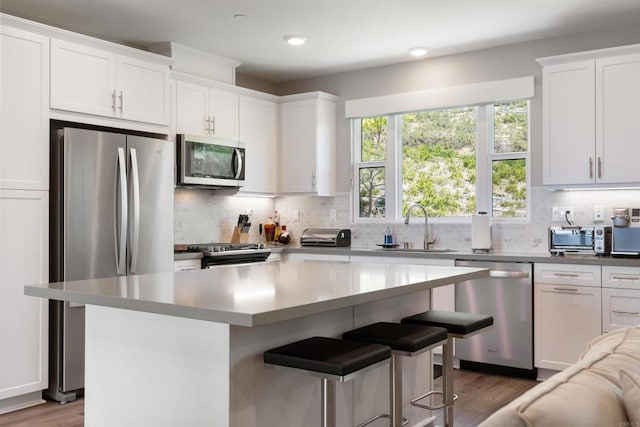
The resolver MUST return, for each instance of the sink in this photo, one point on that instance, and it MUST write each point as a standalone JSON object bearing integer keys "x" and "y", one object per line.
{"x": 431, "y": 250}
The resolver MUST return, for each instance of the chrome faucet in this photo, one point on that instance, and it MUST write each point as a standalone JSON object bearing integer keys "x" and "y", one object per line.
{"x": 427, "y": 242}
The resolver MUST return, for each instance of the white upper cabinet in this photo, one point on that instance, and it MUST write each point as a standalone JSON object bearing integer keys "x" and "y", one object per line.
{"x": 618, "y": 119}
{"x": 24, "y": 112}
{"x": 591, "y": 131}
{"x": 202, "y": 110}
{"x": 258, "y": 131}
{"x": 307, "y": 144}
{"x": 569, "y": 123}
{"x": 93, "y": 81}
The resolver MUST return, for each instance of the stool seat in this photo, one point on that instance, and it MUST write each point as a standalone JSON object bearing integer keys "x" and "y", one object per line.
{"x": 410, "y": 338}
{"x": 455, "y": 322}
{"x": 327, "y": 355}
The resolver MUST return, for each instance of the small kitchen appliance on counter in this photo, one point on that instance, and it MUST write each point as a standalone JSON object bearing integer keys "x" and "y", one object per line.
{"x": 626, "y": 232}
{"x": 329, "y": 237}
{"x": 585, "y": 239}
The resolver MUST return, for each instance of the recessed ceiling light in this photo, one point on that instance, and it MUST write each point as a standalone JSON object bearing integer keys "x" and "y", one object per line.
{"x": 418, "y": 51}
{"x": 295, "y": 40}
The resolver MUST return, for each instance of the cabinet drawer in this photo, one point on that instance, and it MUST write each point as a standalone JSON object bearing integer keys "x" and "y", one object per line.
{"x": 567, "y": 274}
{"x": 621, "y": 277}
{"x": 620, "y": 308}
{"x": 187, "y": 264}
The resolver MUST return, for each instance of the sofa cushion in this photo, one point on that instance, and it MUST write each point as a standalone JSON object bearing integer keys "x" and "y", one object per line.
{"x": 588, "y": 393}
{"x": 631, "y": 395}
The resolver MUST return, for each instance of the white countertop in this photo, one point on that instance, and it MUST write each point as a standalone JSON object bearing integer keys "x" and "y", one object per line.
{"x": 257, "y": 294}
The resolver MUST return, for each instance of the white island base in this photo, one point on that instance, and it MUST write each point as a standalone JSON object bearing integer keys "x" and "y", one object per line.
{"x": 145, "y": 369}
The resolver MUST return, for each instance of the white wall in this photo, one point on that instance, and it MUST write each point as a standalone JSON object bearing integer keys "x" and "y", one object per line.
{"x": 203, "y": 216}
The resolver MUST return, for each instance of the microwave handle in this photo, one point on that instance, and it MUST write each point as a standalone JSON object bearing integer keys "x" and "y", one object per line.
{"x": 239, "y": 165}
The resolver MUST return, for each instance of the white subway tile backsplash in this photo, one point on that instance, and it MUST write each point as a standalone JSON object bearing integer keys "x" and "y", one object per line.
{"x": 206, "y": 216}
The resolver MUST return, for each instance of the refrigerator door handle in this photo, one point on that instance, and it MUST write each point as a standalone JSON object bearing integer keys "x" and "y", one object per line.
{"x": 135, "y": 227}
{"x": 120, "y": 215}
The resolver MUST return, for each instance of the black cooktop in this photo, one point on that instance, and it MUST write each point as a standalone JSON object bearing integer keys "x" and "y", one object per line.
{"x": 222, "y": 247}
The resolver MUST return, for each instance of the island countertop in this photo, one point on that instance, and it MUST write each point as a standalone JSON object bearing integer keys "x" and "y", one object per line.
{"x": 256, "y": 294}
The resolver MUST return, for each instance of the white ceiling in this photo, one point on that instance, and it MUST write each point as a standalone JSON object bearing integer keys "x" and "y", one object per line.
{"x": 342, "y": 34}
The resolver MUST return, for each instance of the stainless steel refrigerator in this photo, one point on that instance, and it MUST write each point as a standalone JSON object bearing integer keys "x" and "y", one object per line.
{"x": 111, "y": 215}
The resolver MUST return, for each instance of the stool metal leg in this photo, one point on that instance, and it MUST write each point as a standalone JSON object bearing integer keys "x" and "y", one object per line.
{"x": 328, "y": 397}
{"x": 448, "y": 398}
{"x": 396, "y": 390}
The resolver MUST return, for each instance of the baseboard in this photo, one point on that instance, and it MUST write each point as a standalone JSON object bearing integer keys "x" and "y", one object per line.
{"x": 21, "y": 402}
{"x": 499, "y": 370}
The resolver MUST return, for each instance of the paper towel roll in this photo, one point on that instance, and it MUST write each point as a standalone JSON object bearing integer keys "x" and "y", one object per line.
{"x": 481, "y": 232}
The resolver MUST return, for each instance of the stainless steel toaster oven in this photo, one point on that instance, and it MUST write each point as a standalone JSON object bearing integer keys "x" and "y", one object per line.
{"x": 586, "y": 239}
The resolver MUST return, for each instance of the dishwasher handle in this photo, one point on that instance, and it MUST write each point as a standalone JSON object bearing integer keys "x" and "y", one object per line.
{"x": 509, "y": 274}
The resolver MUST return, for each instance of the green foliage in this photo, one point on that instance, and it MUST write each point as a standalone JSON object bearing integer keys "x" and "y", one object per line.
{"x": 439, "y": 161}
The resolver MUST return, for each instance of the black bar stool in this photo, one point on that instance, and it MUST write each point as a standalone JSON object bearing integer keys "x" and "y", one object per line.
{"x": 332, "y": 360}
{"x": 458, "y": 325}
{"x": 404, "y": 340}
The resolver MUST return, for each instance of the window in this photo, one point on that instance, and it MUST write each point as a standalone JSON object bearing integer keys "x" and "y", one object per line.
{"x": 453, "y": 161}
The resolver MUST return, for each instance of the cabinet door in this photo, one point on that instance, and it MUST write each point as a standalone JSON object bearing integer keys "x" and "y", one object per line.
{"x": 224, "y": 114}
{"x": 298, "y": 147}
{"x": 566, "y": 318}
{"x": 258, "y": 124}
{"x": 192, "y": 109}
{"x": 142, "y": 91}
{"x": 568, "y": 103}
{"x": 82, "y": 79}
{"x": 618, "y": 127}
{"x": 23, "y": 319}
{"x": 24, "y": 110}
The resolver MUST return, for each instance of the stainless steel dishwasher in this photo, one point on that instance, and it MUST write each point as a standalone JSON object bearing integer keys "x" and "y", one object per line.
{"x": 507, "y": 295}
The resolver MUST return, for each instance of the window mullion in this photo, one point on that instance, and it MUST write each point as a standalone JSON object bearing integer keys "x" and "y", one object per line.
{"x": 483, "y": 163}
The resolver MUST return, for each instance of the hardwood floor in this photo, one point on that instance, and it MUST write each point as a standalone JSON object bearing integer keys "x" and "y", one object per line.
{"x": 479, "y": 395}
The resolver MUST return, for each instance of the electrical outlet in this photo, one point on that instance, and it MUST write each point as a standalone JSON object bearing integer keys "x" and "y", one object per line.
{"x": 559, "y": 213}
{"x": 296, "y": 215}
{"x": 598, "y": 213}
{"x": 332, "y": 215}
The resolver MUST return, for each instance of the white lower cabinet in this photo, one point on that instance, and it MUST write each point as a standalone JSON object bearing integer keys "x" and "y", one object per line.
{"x": 620, "y": 297}
{"x": 299, "y": 256}
{"x": 24, "y": 260}
{"x": 567, "y": 304}
{"x": 187, "y": 264}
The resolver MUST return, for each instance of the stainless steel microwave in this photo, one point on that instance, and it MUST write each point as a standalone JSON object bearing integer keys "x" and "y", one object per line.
{"x": 210, "y": 162}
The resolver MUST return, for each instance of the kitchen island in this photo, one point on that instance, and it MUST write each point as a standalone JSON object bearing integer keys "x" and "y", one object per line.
{"x": 186, "y": 348}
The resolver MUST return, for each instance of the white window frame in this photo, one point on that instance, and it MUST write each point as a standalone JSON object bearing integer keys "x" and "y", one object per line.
{"x": 485, "y": 156}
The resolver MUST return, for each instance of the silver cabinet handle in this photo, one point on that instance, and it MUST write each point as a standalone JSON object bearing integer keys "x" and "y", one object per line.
{"x": 313, "y": 180}
{"x": 599, "y": 167}
{"x": 113, "y": 101}
{"x": 590, "y": 167}
{"x": 565, "y": 289}
{"x": 631, "y": 278}
{"x": 120, "y": 216}
{"x": 635, "y": 313}
{"x": 509, "y": 274}
{"x": 207, "y": 126}
{"x": 565, "y": 274}
{"x": 213, "y": 125}
{"x": 135, "y": 228}
{"x": 121, "y": 97}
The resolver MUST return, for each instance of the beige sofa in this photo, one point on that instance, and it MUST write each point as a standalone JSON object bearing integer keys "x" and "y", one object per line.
{"x": 588, "y": 393}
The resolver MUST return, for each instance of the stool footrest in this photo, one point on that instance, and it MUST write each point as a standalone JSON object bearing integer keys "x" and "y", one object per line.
{"x": 415, "y": 403}
{"x": 379, "y": 416}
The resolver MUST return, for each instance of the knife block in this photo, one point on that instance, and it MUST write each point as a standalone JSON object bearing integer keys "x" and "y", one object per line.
{"x": 238, "y": 236}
